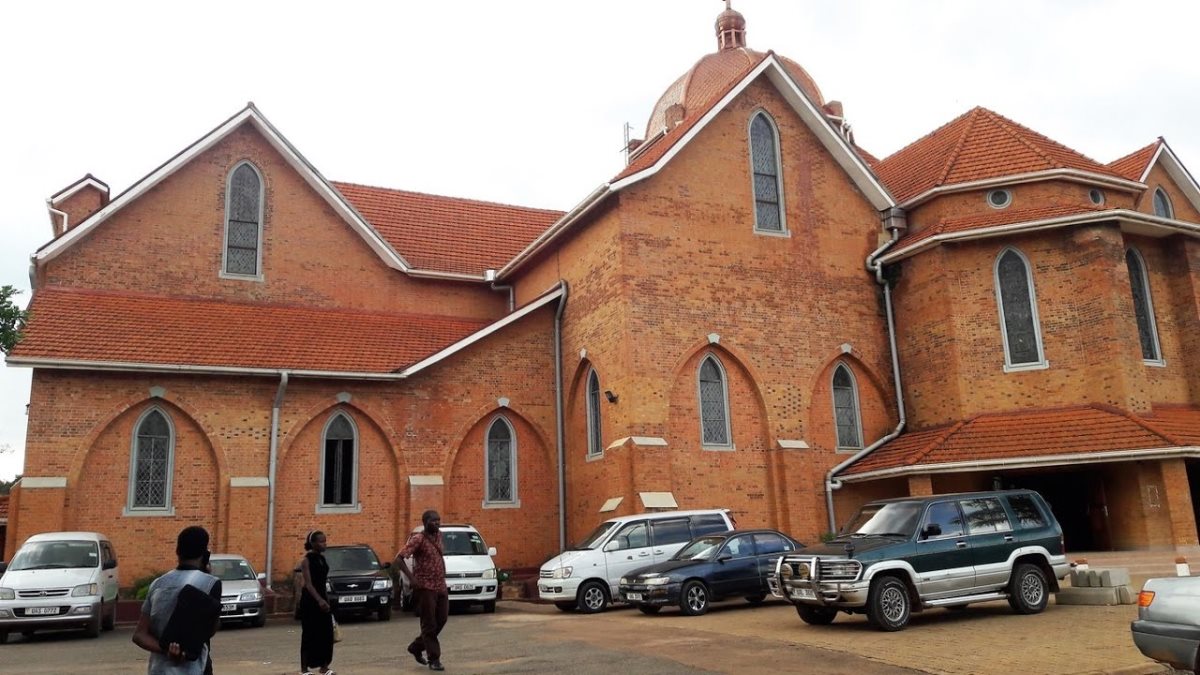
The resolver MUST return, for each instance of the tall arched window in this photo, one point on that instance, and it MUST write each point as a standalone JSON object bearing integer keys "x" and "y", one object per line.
{"x": 1019, "y": 325}
{"x": 152, "y": 464}
{"x": 501, "y": 463}
{"x": 593, "y": 414}
{"x": 714, "y": 404}
{"x": 339, "y": 463}
{"x": 1143, "y": 306}
{"x": 1162, "y": 204}
{"x": 243, "y": 221}
{"x": 846, "y": 413}
{"x": 764, "y": 165}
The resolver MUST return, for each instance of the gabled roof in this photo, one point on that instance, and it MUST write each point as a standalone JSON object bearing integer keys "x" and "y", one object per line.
{"x": 977, "y": 146}
{"x": 1030, "y": 437}
{"x": 448, "y": 234}
{"x": 1135, "y": 165}
{"x": 88, "y": 180}
{"x": 1183, "y": 178}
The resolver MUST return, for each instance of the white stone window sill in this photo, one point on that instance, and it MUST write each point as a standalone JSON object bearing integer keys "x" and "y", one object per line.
{"x": 241, "y": 277}
{"x": 847, "y": 451}
{"x": 785, "y": 234}
{"x": 347, "y": 508}
{"x": 1026, "y": 366}
{"x": 1155, "y": 363}
{"x": 595, "y": 457}
{"x": 130, "y": 512}
{"x": 502, "y": 505}
{"x": 718, "y": 448}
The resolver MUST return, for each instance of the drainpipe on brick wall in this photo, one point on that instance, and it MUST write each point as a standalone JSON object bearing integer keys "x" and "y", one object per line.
{"x": 283, "y": 383}
{"x": 490, "y": 277}
{"x": 558, "y": 419}
{"x": 894, "y": 220}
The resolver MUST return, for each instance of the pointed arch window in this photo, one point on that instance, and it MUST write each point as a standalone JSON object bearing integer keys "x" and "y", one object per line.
{"x": 1019, "y": 323}
{"x": 595, "y": 449}
{"x": 243, "y": 222}
{"x": 1162, "y": 204}
{"x": 152, "y": 464}
{"x": 1143, "y": 307}
{"x": 846, "y": 412}
{"x": 339, "y": 463}
{"x": 501, "y": 463}
{"x": 764, "y": 164}
{"x": 714, "y": 405}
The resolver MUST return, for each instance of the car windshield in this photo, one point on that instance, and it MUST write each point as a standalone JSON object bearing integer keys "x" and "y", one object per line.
{"x": 463, "y": 543}
{"x": 699, "y": 549}
{"x": 896, "y": 518}
{"x": 593, "y": 540}
{"x": 352, "y": 559}
{"x": 232, "y": 570}
{"x": 49, "y": 555}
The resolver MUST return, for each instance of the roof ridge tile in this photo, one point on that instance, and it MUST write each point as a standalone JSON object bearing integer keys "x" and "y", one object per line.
{"x": 1139, "y": 420}
{"x": 916, "y": 457}
{"x": 1007, "y": 125}
{"x": 952, "y": 159}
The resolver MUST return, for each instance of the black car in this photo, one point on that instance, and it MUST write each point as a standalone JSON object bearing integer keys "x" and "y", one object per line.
{"x": 358, "y": 583}
{"x": 709, "y": 568}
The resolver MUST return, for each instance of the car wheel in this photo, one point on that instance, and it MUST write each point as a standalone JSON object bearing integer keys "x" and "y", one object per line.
{"x": 110, "y": 619}
{"x": 888, "y": 604}
{"x": 592, "y": 597}
{"x": 489, "y": 606}
{"x": 1027, "y": 589}
{"x": 385, "y": 613}
{"x": 693, "y": 598}
{"x": 816, "y": 616}
{"x": 566, "y": 606}
{"x": 756, "y": 599}
{"x": 3, "y": 636}
{"x": 260, "y": 620}
{"x": 649, "y": 609}
{"x": 93, "y": 628}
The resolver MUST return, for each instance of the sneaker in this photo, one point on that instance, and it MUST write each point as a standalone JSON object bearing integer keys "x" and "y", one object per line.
{"x": 418, "y": 656}
{"x": 436, "y": 665}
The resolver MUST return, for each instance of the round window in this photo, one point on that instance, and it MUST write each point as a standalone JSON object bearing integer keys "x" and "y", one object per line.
{"x": 999, "y": 199}
{"x": 1096, "y": 196}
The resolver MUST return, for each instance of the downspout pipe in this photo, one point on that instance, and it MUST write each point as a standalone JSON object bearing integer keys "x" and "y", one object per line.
{"x": 490, "y": 277}
{"x": 275, "y": 407}
{"x": 893, "y": 221}
{"x": 559, "y": 433}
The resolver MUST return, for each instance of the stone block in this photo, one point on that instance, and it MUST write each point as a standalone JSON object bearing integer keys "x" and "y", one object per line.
{"x": 1093, "y": 578}
{"x": 1125, "y": 594}
{"x": 1094, "y": 596}
{"x": 1117, "y": 576}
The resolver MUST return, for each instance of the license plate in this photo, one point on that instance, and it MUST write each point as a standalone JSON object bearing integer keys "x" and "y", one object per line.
{"x": 41, "y": 611}
{"x": 228, "y": 608}
{"x": 353, "y": 598}
{"x": 634, "y": 596}
{"x": 804, "y": 594}
{"x": 462, "y": 587}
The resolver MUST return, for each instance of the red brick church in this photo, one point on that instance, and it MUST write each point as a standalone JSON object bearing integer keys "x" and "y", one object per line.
{"x": 755, "y": 313}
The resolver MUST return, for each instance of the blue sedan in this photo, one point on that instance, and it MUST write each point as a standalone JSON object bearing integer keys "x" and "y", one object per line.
{"x": 709, "y": 568}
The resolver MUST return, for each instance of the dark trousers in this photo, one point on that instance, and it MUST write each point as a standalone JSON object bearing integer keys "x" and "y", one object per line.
{"x": 433, "y": 607}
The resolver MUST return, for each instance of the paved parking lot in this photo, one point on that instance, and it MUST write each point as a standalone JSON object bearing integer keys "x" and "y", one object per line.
{"x": 733, "y": 638}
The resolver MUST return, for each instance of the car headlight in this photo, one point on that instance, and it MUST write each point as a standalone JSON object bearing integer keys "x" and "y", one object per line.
{"x": 381, "y": 584}
{"x": 489, "y": 574}
{"x": 7, "y": 594}
{"x": 563, "y": 572}
{"x": 805, "y": 571}
{"x": 626, "y": 581}
{"x": 251, "y": 596}
{"x": 85, "y": 589}
{"x": 658, "y": 581}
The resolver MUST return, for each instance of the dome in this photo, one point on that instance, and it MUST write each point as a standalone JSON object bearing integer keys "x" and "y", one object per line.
{"x": 714, "y": 73}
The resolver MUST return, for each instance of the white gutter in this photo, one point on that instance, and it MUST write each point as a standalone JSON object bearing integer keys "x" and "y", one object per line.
{"x": 1031, "y": 177}
{"x": 568, "y": 219}
{"x": 445, "y": 276}
{"x": 63, "y": 214}
{"x": 79, "y": 364}
{"x": 1029, "y": 462}
{"x": 274, "y": 452}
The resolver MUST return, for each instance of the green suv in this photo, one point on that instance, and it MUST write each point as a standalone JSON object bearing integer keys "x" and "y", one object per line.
{"x": 897, "y": 556}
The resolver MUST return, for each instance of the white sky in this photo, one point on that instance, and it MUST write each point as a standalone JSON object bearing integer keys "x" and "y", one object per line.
{"x": 524, "y": 101}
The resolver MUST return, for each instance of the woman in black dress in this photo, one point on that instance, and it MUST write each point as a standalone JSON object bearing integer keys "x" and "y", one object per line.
{"x": 316, "y": 620}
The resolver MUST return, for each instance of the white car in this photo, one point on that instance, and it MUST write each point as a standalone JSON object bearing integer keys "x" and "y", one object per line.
{"x": 60, "y": 580}
{"x": 586, "y": 576}
{"x": 242, "y": 591}
{"x": 470, "y": 570}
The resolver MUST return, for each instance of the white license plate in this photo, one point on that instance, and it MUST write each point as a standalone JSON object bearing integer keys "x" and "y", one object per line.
{"x": 41, "y": 611}
{"x": 634, "y": 596}
{"x": 462, "y": 587}
{"x": 803, "y": 594}
{"x": 353, "y": 598}
{"x": 228, "y": 608}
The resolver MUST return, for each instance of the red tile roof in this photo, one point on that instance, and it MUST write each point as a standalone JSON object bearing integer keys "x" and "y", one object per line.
{"x": 448, "y": 234}
{"x": 1181, "y": 422}
{"x": 1023, "y": 434}
{"x": 1133, "y": 165}
{"x": 104, "y": 326}
{"x": 978, "y": 145}
{"x": 994, "y": 218}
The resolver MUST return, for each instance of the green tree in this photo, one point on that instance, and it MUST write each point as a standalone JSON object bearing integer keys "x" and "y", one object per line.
{"x": 12, "y": 319}
{"x": 7, "y": 485}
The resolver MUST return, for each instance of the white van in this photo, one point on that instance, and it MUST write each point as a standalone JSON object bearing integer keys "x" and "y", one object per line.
{"x": 470, "y": 570}
{"x": 60, "y": 580}
{"x": 585, "y": 576}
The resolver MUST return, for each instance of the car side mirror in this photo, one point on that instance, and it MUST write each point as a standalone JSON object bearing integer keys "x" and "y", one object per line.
{"x": 109, "y": 565}
{"x": 931, "y": 530}
{"x": 492, "y": 551}
{"x": 262, "y": 577}
{"x": 612, "y": 546}
{"x": 723, "y": 557}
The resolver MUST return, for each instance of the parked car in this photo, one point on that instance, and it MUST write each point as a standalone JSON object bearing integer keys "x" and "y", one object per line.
{"x": 470, "y": 570}
{"x": 60, "y": 580}
{"x": 586, "y": 576}
{"x": 709, "y": 568}
{"x": 1168, "y": 625}
{"x": 897, "y": 556}
{"x": 242, "y": 591}
{"x": 358, "y": 583}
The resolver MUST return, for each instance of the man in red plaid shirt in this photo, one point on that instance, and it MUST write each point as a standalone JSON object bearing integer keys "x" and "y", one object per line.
{"x": 430, "y": 594}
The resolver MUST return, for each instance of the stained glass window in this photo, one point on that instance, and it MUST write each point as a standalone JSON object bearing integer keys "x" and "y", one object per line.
{"x": 1143, "y": 308}
{"x": 242, "y": 221}
{"x": 500, "y": 460}
{"x": 593, "y": 414}
{"x": 339, "y": 463}
{"x": 1017, "y": 309}
{"x": 1162, "y": 204}
{"x": 714, "y": 411}
{"x": 764, "y": 159}
{"x": 153, "y": 450}
{"x": 845, "y": 409}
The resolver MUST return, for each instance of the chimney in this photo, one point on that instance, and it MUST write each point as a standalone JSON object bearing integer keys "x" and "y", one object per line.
{"x": 75, "y": 203}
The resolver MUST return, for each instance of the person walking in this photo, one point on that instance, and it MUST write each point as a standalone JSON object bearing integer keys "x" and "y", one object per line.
{"x": 316, "y": 617}
{"x": 182, "y": 611}
{"x": 430, "y": 594}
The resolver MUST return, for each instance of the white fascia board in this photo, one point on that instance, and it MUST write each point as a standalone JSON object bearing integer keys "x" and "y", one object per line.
{"x": 561, "y": 225}
{"x": 127, "y": 366}
{"x": 1028, "y": 462}
{"x": 446, "y": 276}
{"x": 837, "y": 146}
{"x": 1085, "y": 177}
{"x": 72, "y": 189}
{"x": 482, "y": 333}
{"x": 1175, "y": 168}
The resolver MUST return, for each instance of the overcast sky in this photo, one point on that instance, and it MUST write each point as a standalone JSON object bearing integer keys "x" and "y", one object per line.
{"x": 525, "y": 102}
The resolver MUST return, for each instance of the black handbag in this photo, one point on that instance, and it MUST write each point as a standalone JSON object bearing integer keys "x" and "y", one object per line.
{"x": 192, "y": 623}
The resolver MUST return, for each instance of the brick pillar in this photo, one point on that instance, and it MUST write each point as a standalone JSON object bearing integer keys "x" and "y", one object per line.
{"x": 424, "y": 493}
{"x": 245, "y": 532}
{"x": 920, "y": 485}
{"x": 1178, "y": 500}
{"x": 43, "y": 508}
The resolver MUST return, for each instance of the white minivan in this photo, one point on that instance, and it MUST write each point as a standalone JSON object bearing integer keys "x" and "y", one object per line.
{"x": 60, "y": 580}
{"x": 586, "y": 576}
{"x": 470, "y": 570}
